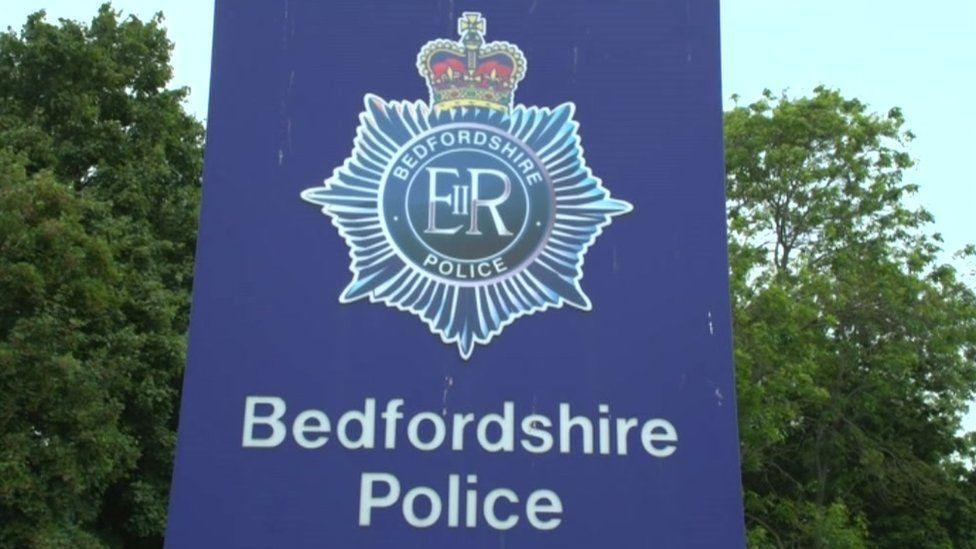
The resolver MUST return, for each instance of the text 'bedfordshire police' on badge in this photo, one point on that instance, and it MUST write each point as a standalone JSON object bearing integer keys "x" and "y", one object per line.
{"x": 317, "y": 410}
{"x": 469, "y": 211}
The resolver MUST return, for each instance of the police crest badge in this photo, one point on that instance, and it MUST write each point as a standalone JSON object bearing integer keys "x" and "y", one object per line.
{"x": 469, "y": 211}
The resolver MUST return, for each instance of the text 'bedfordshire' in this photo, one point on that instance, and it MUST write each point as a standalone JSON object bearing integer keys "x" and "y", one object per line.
{"x": 269, "y": 423}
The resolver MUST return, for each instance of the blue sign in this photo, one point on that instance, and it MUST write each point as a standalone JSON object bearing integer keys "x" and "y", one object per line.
{"x": 444, "y": 144}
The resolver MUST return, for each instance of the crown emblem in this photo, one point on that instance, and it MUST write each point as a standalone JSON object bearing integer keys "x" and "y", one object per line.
{"x": 469, "y": 72}
{"x": 470, "y": 211}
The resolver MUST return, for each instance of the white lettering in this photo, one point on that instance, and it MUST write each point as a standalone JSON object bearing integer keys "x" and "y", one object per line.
{"x": 659, "y": 430}
{"x": 505, "y": 442}
{"x": 278, "y": 430}
{"x": 311, "y": 421}
{"x": 413, "y": 431}
{"x": 566, "y": 423}
{"x": 367, "y": 421}
{"x": 489, "y": 509}
{"x": 543, "y": 501}
{"x": 367, "y": 502}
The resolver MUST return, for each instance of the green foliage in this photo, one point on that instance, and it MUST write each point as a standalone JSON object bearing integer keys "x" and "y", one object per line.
{"x": 99, "y": 184}
{"x": 855, "y": 347}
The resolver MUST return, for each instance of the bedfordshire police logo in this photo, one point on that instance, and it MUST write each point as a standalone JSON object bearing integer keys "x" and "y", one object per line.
{"x": 468, "y": 212}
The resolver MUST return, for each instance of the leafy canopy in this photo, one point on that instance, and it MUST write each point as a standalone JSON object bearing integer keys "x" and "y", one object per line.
{"x": 99, "y": 184}
{"x": 854, "y": 346}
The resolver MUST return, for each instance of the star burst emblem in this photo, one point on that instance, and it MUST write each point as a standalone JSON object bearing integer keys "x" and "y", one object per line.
{"x": 468, "y": 212}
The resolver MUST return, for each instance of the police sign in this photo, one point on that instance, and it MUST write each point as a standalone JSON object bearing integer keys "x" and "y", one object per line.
{"x": 504, "y": 166}
{"x": 316, "y": 413}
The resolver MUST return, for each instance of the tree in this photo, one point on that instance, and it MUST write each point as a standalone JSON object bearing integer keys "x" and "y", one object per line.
{"x": 99, "y": 185}
{"x": 855, "y": 348}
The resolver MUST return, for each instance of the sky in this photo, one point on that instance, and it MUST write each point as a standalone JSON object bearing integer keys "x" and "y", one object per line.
{"x": 920, "y": 56}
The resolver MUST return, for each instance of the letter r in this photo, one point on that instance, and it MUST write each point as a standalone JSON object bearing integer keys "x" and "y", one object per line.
{"x": 491, "y": 203}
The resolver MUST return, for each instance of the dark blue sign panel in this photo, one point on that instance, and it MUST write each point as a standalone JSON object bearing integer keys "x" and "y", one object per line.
{"x": 461, "y": 281}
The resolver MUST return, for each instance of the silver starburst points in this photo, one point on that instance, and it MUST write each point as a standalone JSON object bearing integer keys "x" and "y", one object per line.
{"x": 465, "y": 314}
